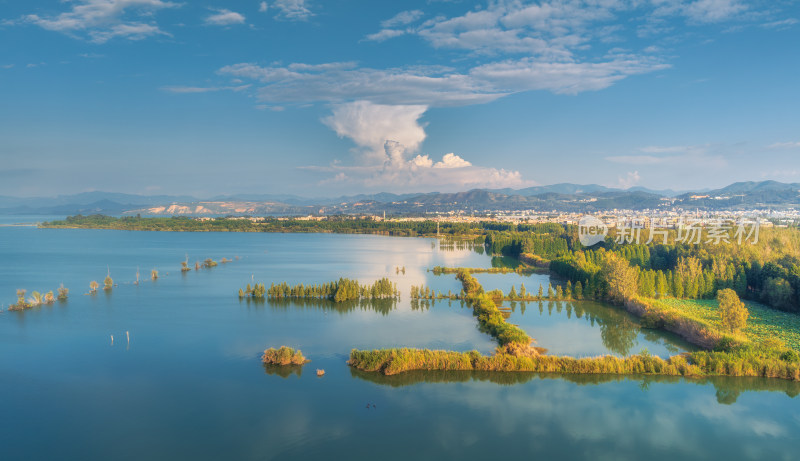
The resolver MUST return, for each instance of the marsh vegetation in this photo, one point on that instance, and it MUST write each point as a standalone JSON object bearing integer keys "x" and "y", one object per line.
{"x": 337, "y": 291}
{"x": 283, "y": 356}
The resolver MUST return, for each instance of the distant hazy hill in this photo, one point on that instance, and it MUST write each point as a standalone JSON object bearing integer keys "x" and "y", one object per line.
{"x": 745, "y": 194}
{"x": 559, "y": 197}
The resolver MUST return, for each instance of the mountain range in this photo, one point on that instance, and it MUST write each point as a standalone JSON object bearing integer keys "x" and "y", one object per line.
{"x": 560, "y": 197}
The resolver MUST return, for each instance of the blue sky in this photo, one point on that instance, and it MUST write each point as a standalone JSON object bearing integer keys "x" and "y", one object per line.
{"x": 322, "y": 98}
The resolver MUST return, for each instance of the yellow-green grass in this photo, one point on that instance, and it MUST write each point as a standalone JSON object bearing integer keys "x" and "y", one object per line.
{"x": 763, "y": 323}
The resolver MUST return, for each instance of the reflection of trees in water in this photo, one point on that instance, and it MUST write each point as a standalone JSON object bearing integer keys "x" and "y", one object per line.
{"x": 727, "y": 389}
{"x": 425, "y": 304}
{"x": 505, "y": 261}
{"x": 618, "y": 330}
{"x": 459, "y": 245}
{"x": 382, "y": 306}
{"x": 619, "y": 337}
{"x": 727, "y": 396}
{"x": 284, "y": 371}
{"x": 655, "y": 336}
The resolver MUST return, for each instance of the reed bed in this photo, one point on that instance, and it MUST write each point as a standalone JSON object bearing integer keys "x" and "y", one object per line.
{"x": 697, "y": 364}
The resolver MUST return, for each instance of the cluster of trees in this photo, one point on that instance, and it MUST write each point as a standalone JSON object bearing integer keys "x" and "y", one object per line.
{"x": 37, "y": 299}
{"x": 568, "y": 291}
{"x": 334, "y": 224}
{"x": 547, "y": 245}
{"x": 521, "y": 269}
{"x": 424, "y": 292}
{"x": 681, "y": 272}
{"x": 341, "y": 290}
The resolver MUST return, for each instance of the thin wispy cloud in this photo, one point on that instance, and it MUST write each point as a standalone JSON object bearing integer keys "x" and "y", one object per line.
{"x": 103, "y": 20}
{"x": 202, "y": 89}
{"x": 781, "y": 24}
{"x": 293, "y": 10}
{"x": 433, "y": 86}
{"x": 402, "y": 18}
{"x": 690, "y": 156}
{"x": 393, "y": 27}
{"x": 785, "y": 145}
{"x": 223, "y": 17}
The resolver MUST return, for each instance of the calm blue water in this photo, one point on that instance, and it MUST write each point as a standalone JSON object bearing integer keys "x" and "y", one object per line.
{"x": 190, "y": 385}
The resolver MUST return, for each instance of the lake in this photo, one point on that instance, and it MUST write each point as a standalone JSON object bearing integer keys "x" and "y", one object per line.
{"x": 190, "y": 385}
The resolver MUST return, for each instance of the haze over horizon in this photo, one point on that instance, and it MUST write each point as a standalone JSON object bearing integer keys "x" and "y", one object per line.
{"x": 314, "y": 99}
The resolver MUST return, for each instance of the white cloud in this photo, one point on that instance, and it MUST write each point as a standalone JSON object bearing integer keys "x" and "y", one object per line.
{"x": 785, "y": 145}
{"x": 420, "y": 173}
{"x": 386, "y": 34}
{"x": 341, "y": 82}
{"x": 452, "y": 160}
{"x": 224, "y": 17}
{"x": 713, "y": 10}
{"x": 373, "y": 127}
{"x": 295, "y": 10}
{"x": 262, "y": 7}
{"x": 387, "y": 136}
{"x": 629, "y": 180}
{"x": 697, "y": 156}
{"x": 202, "y": 89}
{"x": 403, "y": 18}
{"x": 636, "y": 159}
{"x": 562, "y": 77}
{"x": 549, "y": 28}
{"x": 102, "y": 20}
{"x": 422, "y": 161}
{"x": 780, "y": 24}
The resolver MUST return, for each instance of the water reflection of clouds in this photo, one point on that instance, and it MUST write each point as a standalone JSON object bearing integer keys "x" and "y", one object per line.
{"x": 735, "y": 417}
{"x": 684, "y": 420}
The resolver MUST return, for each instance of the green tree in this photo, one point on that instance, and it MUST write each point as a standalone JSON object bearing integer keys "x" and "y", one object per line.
{"x": 777, "y": 292}
{"x": 63, "y": 293}
{"x": 621, "y": 278}
{"x": 677, "y": 285}
{"x": 740, "y": 283}
{"x": 732, "y": 311}
{"x": 21, "y": 297}
{"x": 93, "y": 286}
{"x": 662, "y": 287}
{"x": 578, "y": 290}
